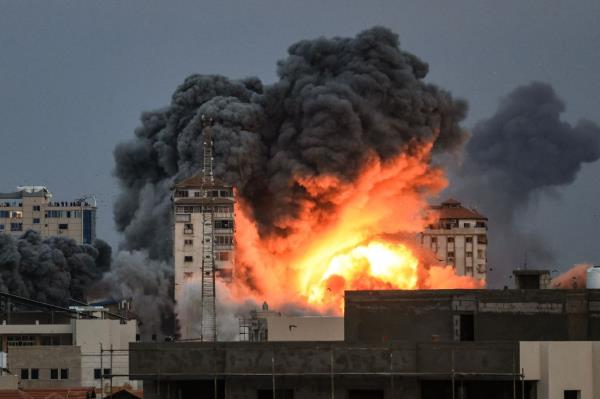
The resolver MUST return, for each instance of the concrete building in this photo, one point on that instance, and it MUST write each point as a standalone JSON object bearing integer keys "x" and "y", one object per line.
{"x": 32, "y": 208}
{"x": 267, "y": 325}
{"x": 458, "y": 237}
{"x": 62, "y": 348}
{"x": 493, "y": 344}
{"x": 203, "y": 239}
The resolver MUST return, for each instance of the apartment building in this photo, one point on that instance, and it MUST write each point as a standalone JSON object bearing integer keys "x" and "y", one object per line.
{"x": 458, "y": 237}
{"x": 32, "y": 208}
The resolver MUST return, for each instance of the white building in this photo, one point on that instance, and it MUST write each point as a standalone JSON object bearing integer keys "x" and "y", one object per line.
{"x": 203, "y": 241}
{"x": 55, "y": 349}
{"x": 32, "y": 208}
{"x": 458, "y": 237}
{"x": 562, "y": 369}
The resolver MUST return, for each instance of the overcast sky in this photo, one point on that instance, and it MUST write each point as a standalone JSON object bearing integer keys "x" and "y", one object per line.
{"x": 75, "y": 76}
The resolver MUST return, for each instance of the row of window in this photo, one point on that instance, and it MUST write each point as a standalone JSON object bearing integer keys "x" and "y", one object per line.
{"x": 204, "y": 193}
{"x": 11, "y": 214}
{"x": 205, "y": 208}
{"x": 222, "y": 256}
{"x": 481, "y": 239}
{"x": 188, "y": 228}
{"x": 34, "y": 374}
{"x": 64, "y": 214}
{"x": 19, "y": 226}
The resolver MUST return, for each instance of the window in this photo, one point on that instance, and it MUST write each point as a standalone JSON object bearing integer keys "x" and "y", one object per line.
{"x": 467, "y": 327}
{"x": 468, "y": 239}
{"x": 63, "y": 226}
{"x": 4, "y": 214}
{"x": 223, "y": 240}
{"x": 480, "y": 224}
{"x": 36, "y": 208}
{"x": 20, "y": 340}
{"x": 450, "y": 254}
{"x": 54, "y": 374}
{"x": 188, "y": 258}
{"x": 480, "y": 254}
{"x": 188, "y": 228}
{"x": 35, "y": 374}
{"x": 224, "y": 224}
{"x": 68, "y": 214}
{"x": 107, "y": 371}
{"x": 1, "y": 227}
{"x": 54, "y": 214}
{"x": 433, "y": 239}
{"x": 24, "y": 374}
{"x": 226, "y": 193}
{"x": 188, "y": 276}
{"x": 224, "y": 209}
{"x": 36, "y": 221}
{"x": 223, "y": 256}
{"x": 467, "y": 225}
{"x": 181, "y": 193}
{"x": 16, "y": 227}
{"x": 481, "y": 239}
{"x": 16, "y": 214}
{"x": 64, "y": 374}
{"x": 469, "y": 254}
{"x": 97, "y": 374}
{"x": 450, "y": 239}
{"x": 197, "y": 193}
{"x": 188, "y": 243}
{"x": 572, "y": 394}
{"x": 183, "y": 217}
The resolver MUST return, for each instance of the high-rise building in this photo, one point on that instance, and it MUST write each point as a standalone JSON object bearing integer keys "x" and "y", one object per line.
{"x": 32, "y": 208}
{"x": 203, "y": 236}
{"x": 458, "y": 237}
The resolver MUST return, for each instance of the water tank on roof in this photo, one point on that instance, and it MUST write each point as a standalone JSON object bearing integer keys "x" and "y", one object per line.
{"x": 593, "y": 277}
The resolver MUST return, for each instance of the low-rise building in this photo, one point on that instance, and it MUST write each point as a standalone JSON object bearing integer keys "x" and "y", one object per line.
{"x": 62, "y": 348}
{"x": 32, "y": 208}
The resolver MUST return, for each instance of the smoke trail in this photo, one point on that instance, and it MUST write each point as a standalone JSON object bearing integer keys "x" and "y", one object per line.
{"x": 338, "y": 102}
{"x": 522, "y": 151}
{"x": 50, "y": 270}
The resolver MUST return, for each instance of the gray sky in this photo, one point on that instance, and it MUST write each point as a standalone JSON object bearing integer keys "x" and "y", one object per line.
{"x": 75, "y": 75}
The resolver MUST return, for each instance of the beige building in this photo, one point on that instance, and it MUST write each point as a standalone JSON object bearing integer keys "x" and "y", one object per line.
{"x": 458, "y": 237}
{"x": 267, "y": 325}
{"x": 54, "y": 350}
{"x": 32, "y": 208}
{"x": 563, "y": 369}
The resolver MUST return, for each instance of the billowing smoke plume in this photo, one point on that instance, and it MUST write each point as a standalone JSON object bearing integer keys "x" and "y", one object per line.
{"x": 50, "y": 270}
{"x": 338, "y": 103}
{"x": 522, "y": 151}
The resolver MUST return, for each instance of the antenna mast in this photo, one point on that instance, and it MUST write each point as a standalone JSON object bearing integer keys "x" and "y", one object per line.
{"x": 209, "y": 312}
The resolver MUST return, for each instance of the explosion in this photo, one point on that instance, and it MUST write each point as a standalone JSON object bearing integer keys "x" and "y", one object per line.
{"x": 363, "y": 236}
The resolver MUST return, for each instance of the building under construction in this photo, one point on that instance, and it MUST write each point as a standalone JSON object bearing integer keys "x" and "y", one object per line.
{"x": 203, "y": 238}
{"x": 432, "y": 344}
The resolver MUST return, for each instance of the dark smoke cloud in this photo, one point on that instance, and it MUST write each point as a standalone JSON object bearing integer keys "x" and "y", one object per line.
{"x": 336, "y": 102}
{"x": 50, "y": 270}
{"x": 524, "y": 150}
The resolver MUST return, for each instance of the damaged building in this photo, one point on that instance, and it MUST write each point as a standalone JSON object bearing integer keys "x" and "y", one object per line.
{"x": 409, "y": 344}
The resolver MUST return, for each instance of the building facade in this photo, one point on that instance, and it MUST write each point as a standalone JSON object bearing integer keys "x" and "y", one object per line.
{"x": 458, "y": 237}
{"x": 32, "y": 208}
{"x": 56, "y": 349}
{"x": 430, "y": 344}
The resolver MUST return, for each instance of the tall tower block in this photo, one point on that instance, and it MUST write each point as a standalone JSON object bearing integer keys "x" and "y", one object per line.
{"x": 203, "y": 238}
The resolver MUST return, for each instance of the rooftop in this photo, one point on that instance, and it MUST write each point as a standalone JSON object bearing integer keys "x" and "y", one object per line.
{"x": 453, "y": 209}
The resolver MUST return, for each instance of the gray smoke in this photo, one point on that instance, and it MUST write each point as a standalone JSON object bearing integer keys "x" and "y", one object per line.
{"x": 523, "y": 151}
{"x": 50, "y": 270}
{"x": 337, "y": 101}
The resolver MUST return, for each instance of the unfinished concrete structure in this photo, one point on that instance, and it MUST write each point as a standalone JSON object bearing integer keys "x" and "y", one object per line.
{"x": 407, "y": 344}
{"x": 458, "y": 238}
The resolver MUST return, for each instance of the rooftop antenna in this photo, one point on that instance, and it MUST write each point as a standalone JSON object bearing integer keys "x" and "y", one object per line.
{"x": 208, "y": 329}
{"x": 207, "y": 143}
